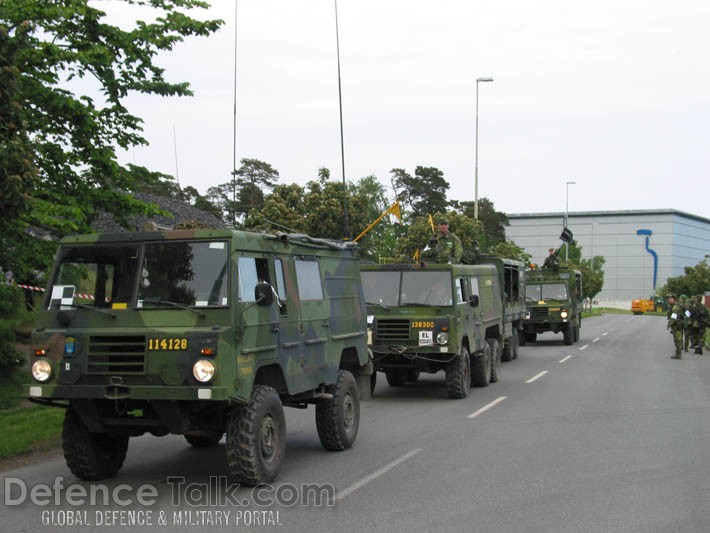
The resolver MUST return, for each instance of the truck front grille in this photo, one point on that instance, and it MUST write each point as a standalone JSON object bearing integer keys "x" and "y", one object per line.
{"x": 116, "y": 355}
{"x": 392, "y": 331}
{"x": 539, "y": 312}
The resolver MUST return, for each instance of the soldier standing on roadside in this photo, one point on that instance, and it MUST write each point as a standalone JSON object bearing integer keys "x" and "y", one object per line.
{"x": 444, "y": 246}
{"x": 676, "y": 320}
{"x": 685, "y": 305}
{"x": 699, "y": 321}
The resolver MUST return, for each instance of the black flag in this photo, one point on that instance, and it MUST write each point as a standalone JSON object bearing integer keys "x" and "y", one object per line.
{"x": 566, "y": 235}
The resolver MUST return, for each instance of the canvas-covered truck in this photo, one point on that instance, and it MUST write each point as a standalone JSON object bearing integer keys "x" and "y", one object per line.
{"x": 554, "y": 303}
{"x": 432, "y": 317}
{"x": 200, "y": 333}
{"x": 511, "y": 276}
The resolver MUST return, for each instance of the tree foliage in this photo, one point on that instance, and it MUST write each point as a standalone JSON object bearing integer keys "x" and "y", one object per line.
{"x": 592, "y": 269}
{"x": 420, "y": 231}
{"x": 696, "y": 280}
{"x": 423, "y": 193}
{"x": 494, "y": 222}
{"x": 58, "y": 144}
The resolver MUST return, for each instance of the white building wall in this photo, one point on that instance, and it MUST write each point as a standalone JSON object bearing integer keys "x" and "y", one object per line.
{"x": 677, "y": 238}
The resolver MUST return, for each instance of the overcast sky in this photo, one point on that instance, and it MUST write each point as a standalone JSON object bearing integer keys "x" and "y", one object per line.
{"x": 613, "y": 95}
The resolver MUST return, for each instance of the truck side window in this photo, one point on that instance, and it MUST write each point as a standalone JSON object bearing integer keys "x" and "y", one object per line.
{"x": 460, "y": 291}
{"x": 251, "y": 271}
{"x": 308, "y": 279}
{"x": 474, "y": 286}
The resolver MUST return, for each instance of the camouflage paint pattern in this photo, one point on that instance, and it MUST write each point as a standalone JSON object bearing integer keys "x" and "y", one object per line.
{"x": 545, "y": 315}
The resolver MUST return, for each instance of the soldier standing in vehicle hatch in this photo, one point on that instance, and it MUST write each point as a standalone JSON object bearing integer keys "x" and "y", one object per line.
{"x": 444, "y": 246}
{"x": 676, "y": 322}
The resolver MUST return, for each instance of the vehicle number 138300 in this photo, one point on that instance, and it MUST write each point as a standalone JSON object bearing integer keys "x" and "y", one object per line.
{"x": 159, "y": 344}
{"x": 422, "y": 324}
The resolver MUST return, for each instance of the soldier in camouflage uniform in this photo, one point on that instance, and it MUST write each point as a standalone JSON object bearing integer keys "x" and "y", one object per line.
{"x": 685, "y": 305}
{"x": 552, "y": 261}
{"x": 676, "y": 320}
{"x": 444, "y": 246}
{"x": 699, "y": 320}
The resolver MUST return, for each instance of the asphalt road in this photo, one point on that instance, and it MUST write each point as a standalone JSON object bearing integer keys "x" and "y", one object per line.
{"x": 609, "y": 434}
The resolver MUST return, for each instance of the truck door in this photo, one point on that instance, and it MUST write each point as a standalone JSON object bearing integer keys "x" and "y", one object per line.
{"x": 313, "y": 320}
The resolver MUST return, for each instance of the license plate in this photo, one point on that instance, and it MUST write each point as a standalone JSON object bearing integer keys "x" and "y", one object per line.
{"x": 161, "y": 344}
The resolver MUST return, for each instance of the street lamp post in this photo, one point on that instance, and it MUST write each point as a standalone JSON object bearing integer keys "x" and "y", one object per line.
{"x": 567, "y": 215}
{"x": 475, "y": 204}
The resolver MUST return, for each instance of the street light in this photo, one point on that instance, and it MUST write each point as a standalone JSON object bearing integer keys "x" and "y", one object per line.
{"x": 567, "y": 215}
{"x": 475, "y": 204}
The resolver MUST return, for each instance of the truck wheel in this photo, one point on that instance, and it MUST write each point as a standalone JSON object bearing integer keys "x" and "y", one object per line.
{"x": 412, "y": 376}
{"x": 396, "y": 376}
{"x": 338, "y": 418}
{"x": 568, "y": 334}
{"x": 530, "y": 337}
{"x": 91, "y": 456}
{"x": 203, "y": 439}
{"x": 373, "y": 382}
{"x": 522, "y": 337}
{"x": 507, "y": 353}
{"x": 458, "y": 375}
{"x": 495, "y": 358}
{"x": 481, "y": 368}
{"x": 576, "y": 333}
{"x": 516, "y": 344}
{"x": 256, "y": 437}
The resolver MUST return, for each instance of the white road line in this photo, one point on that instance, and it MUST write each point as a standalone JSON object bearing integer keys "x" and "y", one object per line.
{"x": 605, "y": 334}
{"x": 584, "y": 347}
{"x": 538, "y": 376}
{"x": 377, "y": 473}
{"x": 612, "y": 329}
{"x": 565, "y": 359}
{"x": 595, "y": 340}
{"x": 486, "y": 407}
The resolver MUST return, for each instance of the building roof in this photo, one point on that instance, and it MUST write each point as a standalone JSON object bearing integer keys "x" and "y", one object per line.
{"x": 639, "y": 212}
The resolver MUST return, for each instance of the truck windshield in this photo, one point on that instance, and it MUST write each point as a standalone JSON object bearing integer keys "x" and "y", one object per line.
{"x": 394, "y": 288}
{"x": 546, "y": 291}
{"x": 187, "y": 273}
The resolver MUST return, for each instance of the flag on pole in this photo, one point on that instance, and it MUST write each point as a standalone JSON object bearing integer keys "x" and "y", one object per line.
{"x": 566, "y": 235}
{"x": 416, "y": 255}
{"x": 431, "y": 223}
{"x": 395, "y": 210}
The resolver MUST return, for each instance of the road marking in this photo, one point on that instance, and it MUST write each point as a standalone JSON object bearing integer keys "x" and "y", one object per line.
{"x": 486, "y": 407}
{"x": 584, "y": 347}
{"x": 612, "y": 329}
{"x": 565, "y": 359}
{"x": 595, "y": 340}
{"x": 538, "y": 376}
{"x": 377, "y": 473}
{"x": 605, "y": 334}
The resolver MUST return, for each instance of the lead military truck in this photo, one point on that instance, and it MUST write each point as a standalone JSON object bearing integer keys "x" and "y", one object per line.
{"x": 200, "y": 333}
{"x": 432, "y": 317}
{"x": 554, "y": 303}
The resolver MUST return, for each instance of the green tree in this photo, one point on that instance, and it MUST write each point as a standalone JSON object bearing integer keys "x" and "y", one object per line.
{"x": 58, "y": 146}
{"x": 696, "y": 280}
{"x": 424, "y": 193}
{"x": 591, "y": 269}
{"x": 420, "y": 231}
{"x": 509, "y": 250}
{"x": 494, "y": 222}
{"x": 254, "y": 178}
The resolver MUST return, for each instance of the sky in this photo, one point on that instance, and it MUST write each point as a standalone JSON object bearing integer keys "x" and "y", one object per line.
{"x": 613, "y": 95}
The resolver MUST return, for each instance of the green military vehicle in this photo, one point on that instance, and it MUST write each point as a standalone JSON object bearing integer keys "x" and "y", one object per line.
{"x": 432, "y": 317}
{"x": 554, "y": 303}
{"x": 511, "y": 276}
{"x": 200, "y": 333}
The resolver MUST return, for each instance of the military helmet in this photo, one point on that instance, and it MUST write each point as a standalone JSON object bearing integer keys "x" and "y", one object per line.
{"x": 683, "y": 298}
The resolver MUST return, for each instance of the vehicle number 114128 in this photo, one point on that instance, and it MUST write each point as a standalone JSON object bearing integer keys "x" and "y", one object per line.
{"x": 167, "y": 344}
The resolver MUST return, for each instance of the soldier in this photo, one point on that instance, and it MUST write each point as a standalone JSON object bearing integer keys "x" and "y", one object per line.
{"x": 444, "y": 246}
{"x": 676, "y": 320}
{"x": 552, "y": 262}
{"x": 685, "y": 306}
{"x": 699, "y": 321}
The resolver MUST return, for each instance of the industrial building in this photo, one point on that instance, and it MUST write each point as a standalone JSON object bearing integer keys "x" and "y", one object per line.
{"x": 642, "y": 248}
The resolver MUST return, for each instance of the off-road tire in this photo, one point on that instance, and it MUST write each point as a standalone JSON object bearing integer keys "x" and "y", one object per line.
{"x": 516, "y": 344}
{"x": 338, "y": 418}
{"x": 205, "y": 439}
{"x": 530, "y": 337}
{"x": 256, "y": 438}
{"x": 495, "y": 358}
{"x": 481, "y": 367}
{"x": 396, "y": 377}
{"x": 522, "y": 339}
{"x": 507, "y": 353}
{"x": 576, "y": 332}
{"x": 568, "y": 334}
{"x": 91, "y": 456}
{"x": 373, "y": 382}
{"x": 412, "y": 376}
{"x": 458, "y": 375}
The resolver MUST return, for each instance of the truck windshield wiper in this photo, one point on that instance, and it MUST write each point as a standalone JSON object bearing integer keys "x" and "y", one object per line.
{"x": 91, "y": 308}
{"x": 378, "y": 304}
{"x": 419, "y": 304}
{"x": 159, "y": 301}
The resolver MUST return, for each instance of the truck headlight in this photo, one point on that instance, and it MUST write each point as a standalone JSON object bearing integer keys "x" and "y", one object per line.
{"x": 42, "y": 370}
{"x": 563, "y": 314}
{"x": 442, "y": 338}
{"x": 203, "y": 370}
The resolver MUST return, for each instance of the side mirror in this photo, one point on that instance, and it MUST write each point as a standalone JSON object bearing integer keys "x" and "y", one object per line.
{"x": 474, "y": 300}
{"x": 264, "y": 295}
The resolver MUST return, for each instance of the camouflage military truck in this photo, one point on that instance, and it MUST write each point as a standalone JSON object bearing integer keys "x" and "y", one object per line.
{"x": 426, "y": 318}
{"x": 200, "y": 333}
{"x": 511, "y": 276}
{"x": 554, "y": 303}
